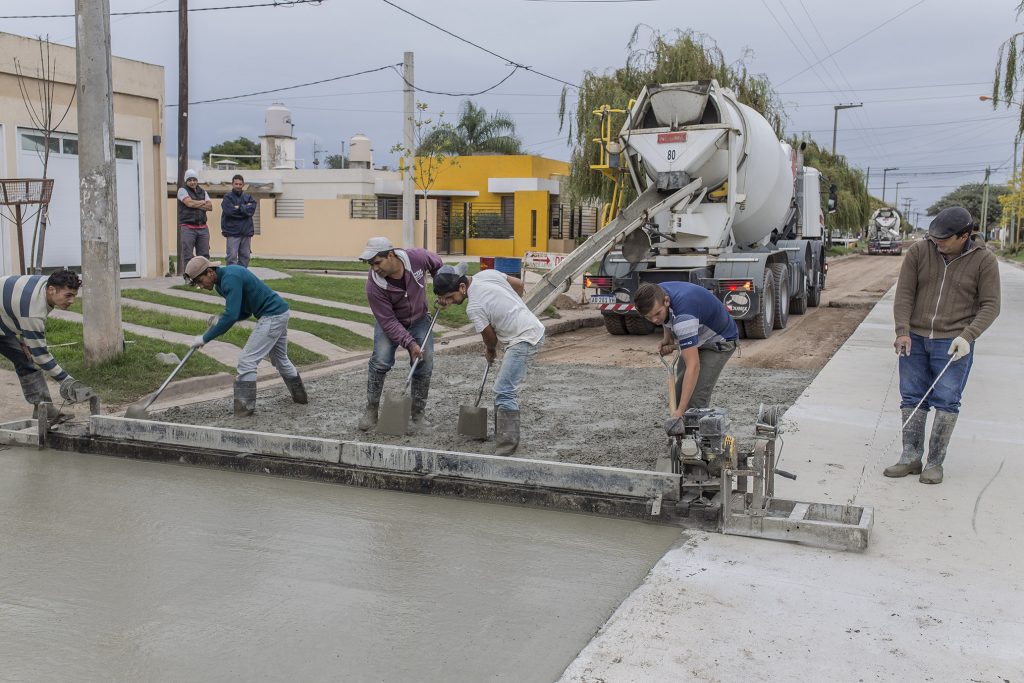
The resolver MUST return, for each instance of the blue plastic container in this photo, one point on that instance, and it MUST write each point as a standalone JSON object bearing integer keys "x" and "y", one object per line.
{"x": 509, "y": 266}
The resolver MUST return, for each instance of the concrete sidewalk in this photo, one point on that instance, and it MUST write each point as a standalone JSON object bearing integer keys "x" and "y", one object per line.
{"x": 937, "y": 596}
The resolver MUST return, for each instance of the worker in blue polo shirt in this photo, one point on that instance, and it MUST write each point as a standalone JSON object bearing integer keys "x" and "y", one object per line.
{"x": 696, "y": 322}
{"x": 246, "y": 295}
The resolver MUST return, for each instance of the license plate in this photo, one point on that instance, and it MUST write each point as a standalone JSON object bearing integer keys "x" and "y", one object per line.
{"x": 602, "y": 299}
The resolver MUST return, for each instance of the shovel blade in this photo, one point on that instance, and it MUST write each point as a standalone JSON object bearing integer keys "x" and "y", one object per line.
{"x": 136, "y": 412}
{"x": 473, "y": 422}
{"x": 395, "y": 413}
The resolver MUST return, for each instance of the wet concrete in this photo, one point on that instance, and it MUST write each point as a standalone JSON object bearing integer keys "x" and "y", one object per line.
{"x": 124, "y": 570}
{"x": 590, "y": 414}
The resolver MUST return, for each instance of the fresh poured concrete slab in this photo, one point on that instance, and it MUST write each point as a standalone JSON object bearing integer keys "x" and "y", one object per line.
{"x": 117, "y": 569}
{"x": 937, "y": 596}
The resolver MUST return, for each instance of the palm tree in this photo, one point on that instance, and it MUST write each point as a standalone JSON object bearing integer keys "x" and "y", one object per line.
{"x": 475, "y": 131}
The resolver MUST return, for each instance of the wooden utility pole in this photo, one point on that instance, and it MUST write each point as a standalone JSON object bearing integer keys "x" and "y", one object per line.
{"x": 103, "y": 338}
{"x": 408, "y": 188}
{"x": 182, "y": 116}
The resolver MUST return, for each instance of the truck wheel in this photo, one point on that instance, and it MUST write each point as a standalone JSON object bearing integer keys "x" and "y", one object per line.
{"x": 636, "y": 324}
{"x": 615, "y": 323}
{"x": 814, "y": 297}
{"x": 761, "y": 326}
{"x": 780, "y": 271}
{"x": 799, "y": 306}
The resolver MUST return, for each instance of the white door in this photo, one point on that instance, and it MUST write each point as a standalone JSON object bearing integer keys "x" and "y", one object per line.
{"x": 63, "y": 245}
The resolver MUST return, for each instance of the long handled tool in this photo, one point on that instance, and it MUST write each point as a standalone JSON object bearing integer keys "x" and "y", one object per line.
{"x": 473, "y": 419}
{"x": 137, "y": 412}
{"x": 396, "y": 409}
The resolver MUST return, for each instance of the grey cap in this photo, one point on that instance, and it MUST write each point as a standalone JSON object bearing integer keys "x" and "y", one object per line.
{"x": 190, "y": 173}
{"x": 374, "y": 246}
{"x": 949, "y": 222}
{"x": 448, "y": 278}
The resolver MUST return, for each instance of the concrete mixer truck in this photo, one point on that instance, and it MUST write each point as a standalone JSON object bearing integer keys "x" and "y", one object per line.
{"x": 884, "y": 232}
{"x": 721, "y": 202}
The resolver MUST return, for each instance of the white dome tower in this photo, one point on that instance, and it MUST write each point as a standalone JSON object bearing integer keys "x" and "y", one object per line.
{"x": 277, "y": 147}
{"x": 360, "y": 154}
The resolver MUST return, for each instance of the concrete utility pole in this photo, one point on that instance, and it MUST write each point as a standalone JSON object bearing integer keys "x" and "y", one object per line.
{"x": 1016, "y": 202}
{"x": 103, "y": 337}
{"x": 885, "y": 171}
{"x": 408, "y": 187}
{"x": 867, "y": 181}
{"x": 896, "y": 199}
{"x": 984, "y": 202}
{"x": 835, "y": 120}
{"x": 182, "y": 116}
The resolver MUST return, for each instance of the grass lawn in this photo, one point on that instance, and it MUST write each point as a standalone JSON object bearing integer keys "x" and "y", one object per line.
{"x": 842, "y": 251}
{"x": 339, "y": 336}
{"x": 131, "y": 376}
{"x": 302, "y": 264}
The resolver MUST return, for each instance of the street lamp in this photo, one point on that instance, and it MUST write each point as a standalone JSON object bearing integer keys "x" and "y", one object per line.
{"x": 885, "y": 171}
{"x": 835, "y": 120}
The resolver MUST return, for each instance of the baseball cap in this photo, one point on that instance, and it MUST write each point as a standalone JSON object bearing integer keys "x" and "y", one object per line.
{"x": 448, "y": 278}
{"x": 190, "y": 173}
{"x": 949, "y": 222}
{"x": 196, "y": 266}
{"x": 375, "y": 246}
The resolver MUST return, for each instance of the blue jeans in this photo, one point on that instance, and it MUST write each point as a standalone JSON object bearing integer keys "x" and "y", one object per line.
{"x": 919, "y": 369}
{"x": 383, "y": 358}
{"x": 269, "y": 337}
{"x": 513, "y": 370}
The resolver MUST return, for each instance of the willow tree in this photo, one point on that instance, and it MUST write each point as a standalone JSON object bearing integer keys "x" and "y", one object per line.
{"x": 665, "y": 58}
{"x": 1009, "y": 73}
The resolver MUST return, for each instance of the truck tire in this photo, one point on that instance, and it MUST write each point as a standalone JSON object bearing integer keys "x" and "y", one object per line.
{"x": 615, "y": 323}
{"x": 780, "y": 271}
{"x": 813, "y": 296}
{"x": 799, "y": 306}
{"x": 761, "y": 326}
{"x": 636, "y": 324}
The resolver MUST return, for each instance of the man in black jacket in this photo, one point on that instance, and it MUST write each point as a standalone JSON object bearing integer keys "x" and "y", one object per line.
{"x": 193, "y": 205}
{"x": 236, "y": 223}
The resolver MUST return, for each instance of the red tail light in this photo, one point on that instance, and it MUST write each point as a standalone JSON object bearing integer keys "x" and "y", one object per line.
{"x": 597, "y": 282}
{"x": 736, "y": 285}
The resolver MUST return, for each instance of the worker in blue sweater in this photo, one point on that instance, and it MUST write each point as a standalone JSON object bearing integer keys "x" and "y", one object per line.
{"x": 245, "y": 295}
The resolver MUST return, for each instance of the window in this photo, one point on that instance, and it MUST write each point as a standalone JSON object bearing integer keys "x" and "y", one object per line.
{"x": 70, "y": 145}
{"x": 35, "y": 143}
{"x": 124, "y": 151}
{"x": 533, "y": 228}
{"x": 290, "y": 208}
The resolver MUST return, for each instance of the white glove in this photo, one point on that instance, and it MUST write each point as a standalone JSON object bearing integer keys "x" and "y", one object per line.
{"x": 198, "y": 341}
{"x": 959, "y": 348}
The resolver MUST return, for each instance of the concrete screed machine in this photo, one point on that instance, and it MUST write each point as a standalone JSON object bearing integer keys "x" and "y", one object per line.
{"x": 723, "y": 203}
{"x": 884, "y": 232}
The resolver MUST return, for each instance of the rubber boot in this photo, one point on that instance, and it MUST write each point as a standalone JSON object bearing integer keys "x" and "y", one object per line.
{"x": 374, "y": 388}
{"x": 942, "y": 429}
{"x": 506, "y": 431}
{"x": 297, "y": 389}
{"x": 245, "y": 398}
{"x": 420, "y": 390}
{"x": 36, "y": 391}
{"x": 913, "y": 444}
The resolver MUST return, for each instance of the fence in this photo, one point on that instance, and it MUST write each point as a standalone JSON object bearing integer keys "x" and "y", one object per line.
{"x": 573, "y": 222}
{"x": 380, "y": 208}
{"x": 483, "y": 220}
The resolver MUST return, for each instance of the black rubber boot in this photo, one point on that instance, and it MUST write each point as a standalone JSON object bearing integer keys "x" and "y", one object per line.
{"x": 297, "y": 389}
{"x": 36, "y": 391}
{"x": 913, "y": 445}
{"x": 374, "y": 388}
{"x": 506, "y": 431}
{"x": 942, "y": 430}
{"x": 245, "y": 398}
{"x": 420, "y": 390}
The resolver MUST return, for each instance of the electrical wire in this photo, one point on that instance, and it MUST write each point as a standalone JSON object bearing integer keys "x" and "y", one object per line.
{"x": 455, "y": 94}
{"x": 510, "y": 62}
{"x": 275, "y": 3}
{"x": 893, "y": 87}
{"x": 292, "y": 87}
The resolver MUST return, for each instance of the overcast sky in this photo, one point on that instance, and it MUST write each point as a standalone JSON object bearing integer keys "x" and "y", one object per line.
{"x": 918, "y": 74}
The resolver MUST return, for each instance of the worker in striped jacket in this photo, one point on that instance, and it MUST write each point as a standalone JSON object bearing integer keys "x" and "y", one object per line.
{"x": 25, "y": 301}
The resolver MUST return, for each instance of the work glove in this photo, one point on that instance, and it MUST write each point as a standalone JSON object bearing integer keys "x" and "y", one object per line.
{"x": 73, "y": 391}
{"x": 198, "y": 342}
{"x": 675, "y": 426}
{"x": 959, "y": 348}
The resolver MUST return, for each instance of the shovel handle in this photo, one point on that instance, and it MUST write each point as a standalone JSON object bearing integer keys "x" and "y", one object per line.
{"x": 408, "y": 380}
{"x": 167, "y": 381}
{"x": 482, "y": 383}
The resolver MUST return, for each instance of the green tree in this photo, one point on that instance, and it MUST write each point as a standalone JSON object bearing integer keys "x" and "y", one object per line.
{"x": 247, "y": 150}
{"x": 854, "y": 205}
{"x": 1009, "y": 72}
{"x": 336, "y": 161}
{"x": 475, "y": 131}
{"x": 429, "y": 161}
{"x": 971, "y": 196}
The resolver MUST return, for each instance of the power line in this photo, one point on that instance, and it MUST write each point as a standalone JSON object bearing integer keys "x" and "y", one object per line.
{"x": 275, "y": 3}
{"x": 292, "y": 87}
{"x": 510, "y": 62}
{"x": 855, "y": 40}
{"x": 455, "y": 94}
{"x": 918, "y": 125}
{"x": 892, "y": 87}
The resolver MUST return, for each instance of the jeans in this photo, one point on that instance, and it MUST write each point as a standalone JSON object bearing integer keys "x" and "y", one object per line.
{"x": 12, "y": 350}
{"x": 269, "y": 337}
{"x": 238, "y": 250}
{"x": 193, "y": 240}
{"x": 713, "y": 358}
{"x": 513, "y": 371}
{"x": 919, "y": 369}
{"x": 383, "y": 358}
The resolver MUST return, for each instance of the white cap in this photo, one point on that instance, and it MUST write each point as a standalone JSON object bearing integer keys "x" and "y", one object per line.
{"x": 375, "y": 246}
{"x": 190, "y": 173}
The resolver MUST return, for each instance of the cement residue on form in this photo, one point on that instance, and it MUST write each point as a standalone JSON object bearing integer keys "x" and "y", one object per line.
{"x": 570, "y": 412}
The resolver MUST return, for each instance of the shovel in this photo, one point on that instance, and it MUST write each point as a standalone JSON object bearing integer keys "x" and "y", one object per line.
{"x": 396, "y": 409}
{"x": 473, "y": 419}
{"x": 137, "y": 412}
